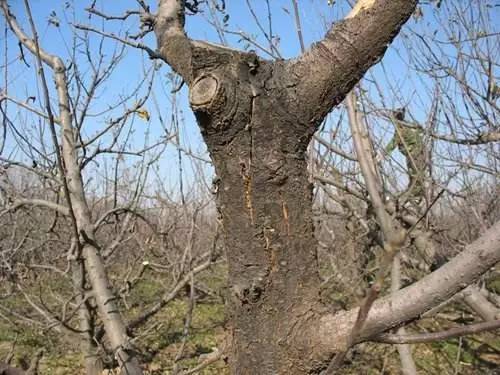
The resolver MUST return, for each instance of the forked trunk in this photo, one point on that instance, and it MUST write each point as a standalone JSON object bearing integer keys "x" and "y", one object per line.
{"x": 257, "y": 118}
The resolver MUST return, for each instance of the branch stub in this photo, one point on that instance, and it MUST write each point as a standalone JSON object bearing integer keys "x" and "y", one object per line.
{"x": 203, "y": 92}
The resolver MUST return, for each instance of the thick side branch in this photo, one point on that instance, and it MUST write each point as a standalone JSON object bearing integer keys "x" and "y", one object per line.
{"x": 326, "y": 72}
{"x": 330, "y": 333}
{"x": 174, "y": 45}
{"x": 37, "y": 203}
{"x": 23, "y": 38}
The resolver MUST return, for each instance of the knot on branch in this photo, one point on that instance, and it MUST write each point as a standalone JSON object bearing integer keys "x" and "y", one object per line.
{"x": 206, "y": 94}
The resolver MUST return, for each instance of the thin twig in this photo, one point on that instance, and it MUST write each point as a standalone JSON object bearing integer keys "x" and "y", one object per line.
{"x": 420, "y": 338}
{"x": 298, "y": 26}
{"x": 152, "y": 54}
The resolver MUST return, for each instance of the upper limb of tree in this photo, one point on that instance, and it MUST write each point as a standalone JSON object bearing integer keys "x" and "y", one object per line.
{"x": 173, "y": 43}
{"x": 51, "y": 60}
{"x": 326, "y": 72}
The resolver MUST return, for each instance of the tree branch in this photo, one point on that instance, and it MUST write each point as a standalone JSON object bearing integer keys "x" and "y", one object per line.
{"x": 28, "y": 107}
{"x": 481, "y": 139}
{"x": 169, "y": 295}
{"x": 37, "y": 203}
{"x": 335, "y": 64}
{"x": 334, "y": 149}
{"x": 393, "y": 235}
{"x": 24, "y": 39}
{"x": 173, "y": 43}
{"x": 411, "y": 302}
{"x": 152, "y": 54}
{"x": 420, "y": 338}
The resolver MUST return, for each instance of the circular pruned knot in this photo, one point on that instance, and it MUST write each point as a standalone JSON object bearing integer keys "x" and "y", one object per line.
{"x": 206, "y": 93}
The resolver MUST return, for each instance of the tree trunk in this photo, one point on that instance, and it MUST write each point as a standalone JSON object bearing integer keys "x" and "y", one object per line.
{"x": 257, "y": 118}
{"x": 271, "y": 254}
{"x": 72, "y": 177}
{"x": 94, "y": 264}
{"x": 92, "y": 360}
{"x": 265, "y": 200}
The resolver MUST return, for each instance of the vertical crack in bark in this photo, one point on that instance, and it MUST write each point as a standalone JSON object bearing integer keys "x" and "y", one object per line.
{"x": 269, "y": 225}
{"x": 248, "y": 175}
{"x": 251, "y": 152}
{"x": 284, "y": 208}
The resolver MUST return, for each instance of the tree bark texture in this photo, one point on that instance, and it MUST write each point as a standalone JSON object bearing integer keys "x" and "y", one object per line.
{"x": 264, "y": 199}
{"x": 257, "y": 118}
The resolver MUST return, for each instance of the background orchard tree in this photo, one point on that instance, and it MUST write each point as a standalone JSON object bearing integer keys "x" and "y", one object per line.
{"x": 61, "y": 227}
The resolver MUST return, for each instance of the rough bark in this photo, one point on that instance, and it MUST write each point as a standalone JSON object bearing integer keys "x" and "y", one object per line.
{"x": 257, "y": 118}
{"x": 413, "y": 301}
{"x": 265, "y": 202}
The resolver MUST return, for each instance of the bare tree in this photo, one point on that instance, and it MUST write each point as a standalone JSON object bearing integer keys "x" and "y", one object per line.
{"x": 258, "y": 118}
{"x": 138, "y": 229}
{"x": 70, "y": 170}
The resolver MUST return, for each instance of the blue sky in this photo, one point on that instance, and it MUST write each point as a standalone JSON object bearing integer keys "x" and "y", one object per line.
{"x": 316, "y": 16}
